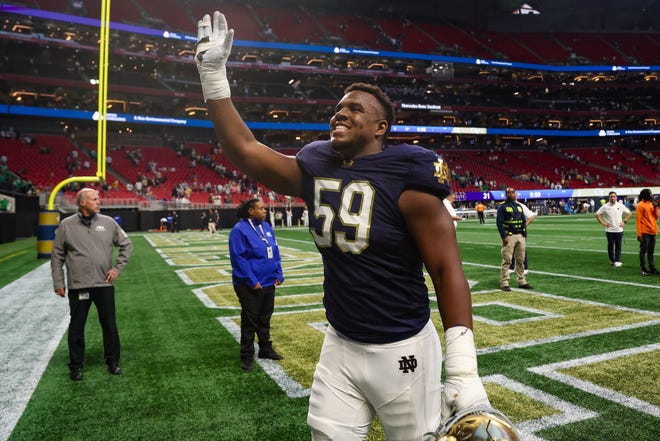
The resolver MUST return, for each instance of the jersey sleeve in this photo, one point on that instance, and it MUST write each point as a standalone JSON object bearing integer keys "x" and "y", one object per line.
{"x": 428, "y": 172}
{"x": 315, "y": 158}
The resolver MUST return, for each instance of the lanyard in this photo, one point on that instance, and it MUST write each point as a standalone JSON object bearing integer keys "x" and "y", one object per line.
{"x": 262, "y": 236}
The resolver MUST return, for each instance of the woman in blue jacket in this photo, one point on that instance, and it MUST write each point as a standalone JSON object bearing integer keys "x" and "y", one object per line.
{"x": 256, "y": 271}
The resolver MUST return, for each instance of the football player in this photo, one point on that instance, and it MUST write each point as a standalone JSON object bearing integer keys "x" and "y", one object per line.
{"x": 377, "y": 217}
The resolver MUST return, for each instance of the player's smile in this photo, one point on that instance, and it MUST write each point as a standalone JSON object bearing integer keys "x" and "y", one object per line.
{"x": 338, "y": 129}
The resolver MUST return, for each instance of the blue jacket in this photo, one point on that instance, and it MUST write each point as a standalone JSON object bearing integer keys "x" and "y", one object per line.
{"x": 248, "y": 251}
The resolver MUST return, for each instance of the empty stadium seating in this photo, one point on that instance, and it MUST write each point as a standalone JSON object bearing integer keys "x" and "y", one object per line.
{"x": 261, "y": 89}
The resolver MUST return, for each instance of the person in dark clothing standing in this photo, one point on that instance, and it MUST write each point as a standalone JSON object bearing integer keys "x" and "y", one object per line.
{"x": 84, "y": 243}
{"x": 211, "y": 219}
{"x": 176, "y": 220}
{"x": 205, "y": 221}
{"x": 512, "y": 225}
{"x": 646, "y": 221}
{"x": 256, "y": 271}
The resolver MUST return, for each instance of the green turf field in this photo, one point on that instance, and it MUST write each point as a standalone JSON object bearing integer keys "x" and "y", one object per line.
{"x": 575, "y": 359}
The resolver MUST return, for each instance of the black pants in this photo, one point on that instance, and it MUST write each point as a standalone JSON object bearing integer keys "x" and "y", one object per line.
{"x": 79, "y": 304}
{"x": 256, "y": 310}
{"x": 614, "y": 241}
{"x": 646, "y": 250}
{"x": 482, "y": 217}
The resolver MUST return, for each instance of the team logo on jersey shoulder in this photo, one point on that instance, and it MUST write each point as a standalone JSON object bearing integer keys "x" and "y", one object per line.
{"x": 442, "y": 171}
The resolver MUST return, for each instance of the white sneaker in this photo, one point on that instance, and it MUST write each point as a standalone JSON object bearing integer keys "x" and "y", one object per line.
{"x": 618, "y": 264}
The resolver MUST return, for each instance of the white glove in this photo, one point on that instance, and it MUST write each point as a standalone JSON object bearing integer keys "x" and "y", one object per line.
{"x": 213, "y": 49}
{"x": 463, "y": 388}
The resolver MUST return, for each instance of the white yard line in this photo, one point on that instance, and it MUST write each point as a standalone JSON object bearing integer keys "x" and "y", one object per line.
{"x": 571, "y": 276}
{"x": 553, "y": 371}
{"x": 571, "y": 240}
{"x": 32, "y": 322}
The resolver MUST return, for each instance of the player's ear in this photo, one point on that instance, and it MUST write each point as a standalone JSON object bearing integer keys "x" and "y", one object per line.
{"x": 382, "y": 127}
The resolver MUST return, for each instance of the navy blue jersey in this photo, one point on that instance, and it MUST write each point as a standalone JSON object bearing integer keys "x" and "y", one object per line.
{"x": 374, "y": 287}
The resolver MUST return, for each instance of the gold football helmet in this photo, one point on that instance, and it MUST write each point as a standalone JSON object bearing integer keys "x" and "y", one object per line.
{"x": 476, "y": 424}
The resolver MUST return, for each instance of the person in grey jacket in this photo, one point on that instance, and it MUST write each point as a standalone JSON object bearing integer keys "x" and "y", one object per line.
{"x": 84, "y": 244}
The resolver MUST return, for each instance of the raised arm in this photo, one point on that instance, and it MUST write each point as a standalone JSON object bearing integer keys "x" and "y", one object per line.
{"x": 273, "y": 169}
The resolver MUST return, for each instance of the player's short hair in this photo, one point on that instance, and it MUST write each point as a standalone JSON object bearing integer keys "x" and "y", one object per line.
{"x": 382, "y": 98}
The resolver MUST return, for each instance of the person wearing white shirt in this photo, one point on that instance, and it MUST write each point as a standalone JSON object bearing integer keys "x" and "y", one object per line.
{"x": 449, "y": 204}
{"x": 271, "y": 214}
{"x": 610, "y": 215}
{"x": 289, "y": 214}
{"x": 305, "y": 217}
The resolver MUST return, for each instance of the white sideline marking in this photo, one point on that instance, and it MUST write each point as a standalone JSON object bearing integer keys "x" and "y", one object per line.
{"x": 571, "y": 276}
{"x": 568, "y": 239}
{"x": 32, "y": 322}
{"x": 541, "y": 314}
{"x": 209, "y": 303}
{"x": 569, "y": 413}
{"x": 291, "y": 387}
{"x": 206, "y": 300}
{"x": 182, "y": 273}
{"x": 529, "y": 343}
{"x": 319, "y": 326}
{"x": 551, "y": 371}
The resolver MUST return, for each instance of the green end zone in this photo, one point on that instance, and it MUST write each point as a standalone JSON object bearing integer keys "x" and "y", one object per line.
{"x": 502, "y": 321}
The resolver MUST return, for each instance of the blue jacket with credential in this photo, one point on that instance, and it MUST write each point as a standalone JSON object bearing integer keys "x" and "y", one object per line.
{"x": 248, "y": 251}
